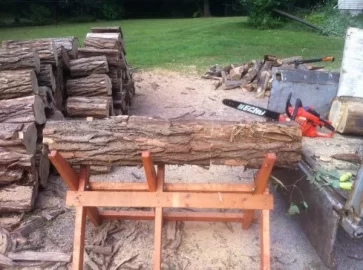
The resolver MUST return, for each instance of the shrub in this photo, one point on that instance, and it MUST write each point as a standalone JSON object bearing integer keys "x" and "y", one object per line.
{"x": 112, "y": 10}
{"x": 40, "y": 15}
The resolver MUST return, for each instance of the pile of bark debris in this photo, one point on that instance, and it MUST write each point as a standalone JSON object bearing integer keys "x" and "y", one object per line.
{"x": 255, "y": 75}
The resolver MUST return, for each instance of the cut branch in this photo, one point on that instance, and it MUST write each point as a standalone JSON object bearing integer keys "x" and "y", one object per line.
{"x": 121, "y": 140}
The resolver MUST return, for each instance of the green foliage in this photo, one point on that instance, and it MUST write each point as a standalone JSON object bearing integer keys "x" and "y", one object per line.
{"x": 112, "y": 11}
{"x": 261, "y": 13}
{"x": 40, "y": 14}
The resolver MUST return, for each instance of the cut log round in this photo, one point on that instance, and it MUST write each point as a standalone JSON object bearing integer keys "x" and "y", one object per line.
{"x": 112, "y": 55}
{"x": 121, "y": 140}
{"x": 87, "y": 66}
{"x": 45, "y": 47}
{"x": 111, "y": 29}
{"x": 346, "y": 115}
{"x": 15, "y": 198}
{"x": 102, "y": 43}
{"x": 20, "y": 138}
{"x": 70, "y": 44}
{"x": 18, "y": 83}
{"x": 22, "y": 110}
{"x": 97, "y": 107}
{"x": 92, "y": 85}
{"x": 15, "y": 59}
{"x": 115, "y": 36}
{"x": 42, "y": 164}
{"x": 46, "y": 76}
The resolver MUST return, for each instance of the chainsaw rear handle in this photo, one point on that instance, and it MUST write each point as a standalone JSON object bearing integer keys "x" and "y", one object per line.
{"x": 298, "y": 104}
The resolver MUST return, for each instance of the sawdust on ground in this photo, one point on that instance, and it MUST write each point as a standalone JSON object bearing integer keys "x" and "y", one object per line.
{"x": 189, "y": 245}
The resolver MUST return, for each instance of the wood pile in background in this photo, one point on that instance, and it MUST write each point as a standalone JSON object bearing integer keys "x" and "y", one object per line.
{"x": 255, "y": 75}
{"x": 54, "y": 79}
{"x": 32, "y": 78}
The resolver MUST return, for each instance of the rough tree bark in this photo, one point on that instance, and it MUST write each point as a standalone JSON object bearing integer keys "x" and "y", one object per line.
{"x": 71, "y": 44}
{"x": 97, "y": 107}
{"x": 18, "y": 83}
{"x": 46, "y": 94}
{"x": 20, "y": 138}
{"x": 92, "y": 85}
{"x": 45, "y": 47}
{"x": 87, "y": 66}
{"x": 15, "y": 59}
{"x": 121, "y": 140}
{"x": 15, "y": 198}
{"x": 112, "y": 56}
{"x": 22, "y": 110}
{"x": 102, "y": 43}
{"x": 15, "y": 167}
{"x": 59, "y": 94}
{"x": 46, "y": 77}
{"x": 346, "y": 114}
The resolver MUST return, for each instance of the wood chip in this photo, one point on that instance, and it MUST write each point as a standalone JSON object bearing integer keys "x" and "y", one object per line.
{"x": 52, "y": 214}
{"x": 39, "y": 256}
{"x": 107, "y": 250}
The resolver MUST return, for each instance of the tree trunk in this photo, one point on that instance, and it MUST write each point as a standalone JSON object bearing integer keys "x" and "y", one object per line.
{"x": 112, "y": 29}
{"x": 97, "y": 107}
{"x": 346, "y": 115}
{"x": 113, "y": 56}
{"x": 18, "y": 83}
{"x": 45, "y": 47}
{"x": 121, "y": 140}
{"x": 87, "y": 66}
{"x": 42, "y": 164}
{"x": 19, "y": 59}
{"x": 71, "y": 44}
{"x": 206, "y": 8}
{"x": 15, "y": 198}
{"x": 46, "y": 77}
{"x": 93, "y": 85}
{"x": 22, "y": 110}
{"x": 20, "y": 138}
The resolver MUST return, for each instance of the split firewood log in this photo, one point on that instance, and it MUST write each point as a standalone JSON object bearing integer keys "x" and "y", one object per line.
{"x": 22, "y": 110}
{"x": 18, "y": 83}
{"x": 70, "y": 44}
{"x": 92, "y": 85}
{"x": 42, "y": 164}
{"x": 14, "y": 198}
{"x": 46, "y": 77}
{"x": 346, "y": 114}
{"x": 97, "y": 107}
{"x": 15, "y": 59}
{"x": 45, "y": 48}
{"x": 18, "y": 137}
{"x": 87, "y": 66}
{"x": 102, "y": 43}
{"x": 200, "y": 142}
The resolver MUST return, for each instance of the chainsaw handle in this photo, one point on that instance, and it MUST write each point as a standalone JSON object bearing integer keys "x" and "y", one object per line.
{"x": 298, "y": 104}
{"x": 288, "y": 105}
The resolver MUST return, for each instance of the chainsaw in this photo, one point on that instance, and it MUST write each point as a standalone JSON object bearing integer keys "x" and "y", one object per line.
{"x": 308, "y": 119}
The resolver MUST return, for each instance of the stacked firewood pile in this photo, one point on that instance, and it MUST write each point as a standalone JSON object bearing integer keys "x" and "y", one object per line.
{"x": 31, "y": 91}
{"x": 255, "y": 75}
{"x": 101, "y": 84}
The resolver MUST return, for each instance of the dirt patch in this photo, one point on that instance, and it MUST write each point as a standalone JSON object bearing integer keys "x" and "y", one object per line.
{"x": 189, "y": 245}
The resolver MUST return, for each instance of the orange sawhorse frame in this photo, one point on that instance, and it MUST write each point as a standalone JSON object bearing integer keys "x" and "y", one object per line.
{"x": 86, "y": 196}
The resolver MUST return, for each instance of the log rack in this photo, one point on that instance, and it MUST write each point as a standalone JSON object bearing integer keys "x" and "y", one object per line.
{"x": 87, "y": 196}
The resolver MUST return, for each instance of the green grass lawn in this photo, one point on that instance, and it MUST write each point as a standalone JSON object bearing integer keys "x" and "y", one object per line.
{"x": 180, "y": 44}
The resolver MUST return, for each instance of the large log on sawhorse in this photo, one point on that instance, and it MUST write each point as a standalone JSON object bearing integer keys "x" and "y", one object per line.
{"x": 157, "y": 196}
{"x": 198, "y": 142}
